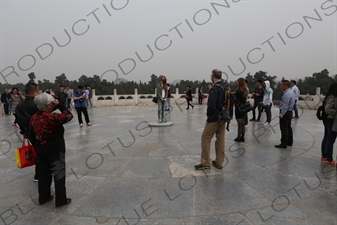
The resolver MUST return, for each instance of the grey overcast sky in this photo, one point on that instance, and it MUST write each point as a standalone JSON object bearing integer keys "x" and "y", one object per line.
{"x": 133, "y": 39}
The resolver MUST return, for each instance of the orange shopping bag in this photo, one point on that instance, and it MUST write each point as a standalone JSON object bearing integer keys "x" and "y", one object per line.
{"x": 25, "y": 155}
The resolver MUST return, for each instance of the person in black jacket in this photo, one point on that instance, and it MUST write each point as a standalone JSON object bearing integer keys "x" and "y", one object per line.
{"x": 62, "y": 96}
{"x": 24, "y": 111}
{"x": 213, "y": 125}
{"x": 258, "y": 99}
{"x": 189, "y": 97}
{"x": 5, "y": 97}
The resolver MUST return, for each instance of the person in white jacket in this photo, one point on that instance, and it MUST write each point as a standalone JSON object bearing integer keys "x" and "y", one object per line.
{"x": 267, "y": 101}
{"x": 297, "y": 92}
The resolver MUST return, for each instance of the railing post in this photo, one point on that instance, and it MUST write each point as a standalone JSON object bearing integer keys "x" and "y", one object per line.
{"x": 136, "y": 97}
{"x": 115, "y": 97}
{"x": 93, "y": 97}
{"x": 196, "y": 93}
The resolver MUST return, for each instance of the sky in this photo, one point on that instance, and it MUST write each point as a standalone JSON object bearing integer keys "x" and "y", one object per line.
{"x": 133, "y": 39}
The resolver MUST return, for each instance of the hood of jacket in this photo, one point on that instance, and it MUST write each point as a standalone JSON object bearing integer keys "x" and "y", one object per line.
{"x": 267, "y": 86}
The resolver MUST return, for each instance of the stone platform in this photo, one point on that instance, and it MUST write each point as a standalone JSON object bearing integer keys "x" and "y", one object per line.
{"x": 121, "y": 169}
{"x": 157, "y": 124}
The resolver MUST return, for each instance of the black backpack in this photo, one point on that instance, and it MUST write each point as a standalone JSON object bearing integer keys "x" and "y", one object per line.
{"x": 169, "y": 94}
{"x": 224, "y": 114}
{"x": 320, "y": 113}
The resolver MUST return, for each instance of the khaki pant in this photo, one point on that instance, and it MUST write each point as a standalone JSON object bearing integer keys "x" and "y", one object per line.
{"x": 210, "y": 129}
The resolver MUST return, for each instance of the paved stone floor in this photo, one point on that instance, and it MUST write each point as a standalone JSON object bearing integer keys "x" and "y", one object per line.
{"x": 120, "y": 169}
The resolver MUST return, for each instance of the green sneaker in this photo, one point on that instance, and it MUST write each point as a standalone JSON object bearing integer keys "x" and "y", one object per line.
{"x": 216, "y": 165}
{"x": 201, "y": 167}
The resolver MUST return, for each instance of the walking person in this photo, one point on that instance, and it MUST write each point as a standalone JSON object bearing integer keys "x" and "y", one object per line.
{"x": 267, "y": 102}
{"x": 48, "y": 130}
{"x": 258, "y": 99}
{"x": 241, "y": 95}
{"x": 162, "y": 93}
{"x": 213, "y": 125}
{"x": 80, "y": 98}
{"x": 5, "y": 100}
{"x": 169, "y": 96}
{"x": 23, "y": 113}
{"x": 246, "y": 118}
{"x": 188, "y": 96}
{"x": 296, "y": 91}
{"x": 286, "y": 111}
{"x": 330, "y": 126}
{"x": 16, "y": 98}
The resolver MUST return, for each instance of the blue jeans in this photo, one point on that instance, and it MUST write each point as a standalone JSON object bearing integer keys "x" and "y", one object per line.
{"x": 295, "y": 109}
{"x": 161, "y": 105}
{"x": 328, "y": 139}
{"x": 9, "y": 108}
{"x": 168, "y": 104}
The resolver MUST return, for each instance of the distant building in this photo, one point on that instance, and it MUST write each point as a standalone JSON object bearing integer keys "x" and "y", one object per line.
{"x": 120, "y": 80}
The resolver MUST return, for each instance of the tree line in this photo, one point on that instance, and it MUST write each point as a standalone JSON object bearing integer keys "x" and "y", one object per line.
{"x": 306, "y": 85}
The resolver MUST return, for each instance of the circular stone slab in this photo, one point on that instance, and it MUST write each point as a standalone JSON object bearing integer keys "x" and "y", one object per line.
{"x": 156, "y": 124}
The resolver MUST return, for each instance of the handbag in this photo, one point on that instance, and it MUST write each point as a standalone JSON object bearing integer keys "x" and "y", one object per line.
{"x": 245, "y": 107}
{"x": 155, "y": 100}
{"x": 25, "y": 156}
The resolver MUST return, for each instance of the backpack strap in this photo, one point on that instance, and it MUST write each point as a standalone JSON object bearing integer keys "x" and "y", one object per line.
{"x": 226, "y": 99}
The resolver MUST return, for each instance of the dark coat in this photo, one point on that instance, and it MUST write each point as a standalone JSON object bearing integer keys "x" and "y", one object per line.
{"x": 215, "y": 101}
{"x": 23, "y": 113}
{"x": 259, "y": 91}
{"x": 5, "y": 97}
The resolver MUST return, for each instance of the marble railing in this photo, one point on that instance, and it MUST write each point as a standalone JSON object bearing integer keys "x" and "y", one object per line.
{"x": 305, "y": 101}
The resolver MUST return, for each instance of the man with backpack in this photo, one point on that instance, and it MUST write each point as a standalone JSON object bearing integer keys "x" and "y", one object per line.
{"x": 213, "y": 125}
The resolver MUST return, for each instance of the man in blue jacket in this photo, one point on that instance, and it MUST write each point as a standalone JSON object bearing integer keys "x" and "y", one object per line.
{"x": 213, "y": 125}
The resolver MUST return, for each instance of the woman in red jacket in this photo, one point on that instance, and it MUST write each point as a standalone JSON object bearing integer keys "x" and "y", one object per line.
{"x": 47, "y": 127}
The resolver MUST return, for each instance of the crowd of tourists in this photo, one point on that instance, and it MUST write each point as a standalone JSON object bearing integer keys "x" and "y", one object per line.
{"x": 39, "y": 122}
{"x": 40, "y": 117}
